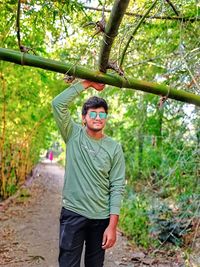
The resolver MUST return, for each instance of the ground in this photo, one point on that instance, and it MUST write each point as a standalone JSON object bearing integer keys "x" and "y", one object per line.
{"x": 29, "y": 225}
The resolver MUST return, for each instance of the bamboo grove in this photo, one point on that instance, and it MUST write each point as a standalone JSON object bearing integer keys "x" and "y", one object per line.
{"x": 20, "y": 134}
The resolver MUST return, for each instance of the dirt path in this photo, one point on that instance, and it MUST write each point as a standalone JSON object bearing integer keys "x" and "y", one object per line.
{"x": 29, "y": 228}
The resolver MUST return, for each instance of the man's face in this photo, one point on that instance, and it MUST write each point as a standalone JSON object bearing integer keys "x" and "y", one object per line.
{"x": 95, "y": 119}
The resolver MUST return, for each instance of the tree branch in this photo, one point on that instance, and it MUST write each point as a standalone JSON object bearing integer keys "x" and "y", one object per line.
{"x": 135, "y": 30}
{"x": 173, "y": 7}
{"x": 183, "y": 19}
{"x": 111, "y": 32}
{"x": 18, "y": 23}
{"x": 96, "y": 76}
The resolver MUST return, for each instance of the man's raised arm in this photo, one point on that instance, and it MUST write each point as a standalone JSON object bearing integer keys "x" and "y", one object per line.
{"x": 62, "y": 102}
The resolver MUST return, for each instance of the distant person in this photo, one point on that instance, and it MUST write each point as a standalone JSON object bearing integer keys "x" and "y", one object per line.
{"x": 94, "y": 180}
{"x": 51, "y": 155}
{"x": 47, "y": 154}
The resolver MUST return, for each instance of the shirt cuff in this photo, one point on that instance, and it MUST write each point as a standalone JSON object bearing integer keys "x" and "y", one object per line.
{"x": 114, "y": 210}
{"x": 79, "y": 87}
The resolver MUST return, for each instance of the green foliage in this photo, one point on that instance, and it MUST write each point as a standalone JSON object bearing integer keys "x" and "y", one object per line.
{"x": 134, "y": 220}
{"x": 151, "y": 222}
{"x": 11, "y": 188}
{"x": 26, "y": 113}
{"x": 168, "y": 226}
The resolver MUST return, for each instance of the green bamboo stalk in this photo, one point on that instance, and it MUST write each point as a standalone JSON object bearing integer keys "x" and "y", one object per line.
{"x": 135, "y": 30}
{"x": 97, "y": 76}
{"x": 111, "y": 32}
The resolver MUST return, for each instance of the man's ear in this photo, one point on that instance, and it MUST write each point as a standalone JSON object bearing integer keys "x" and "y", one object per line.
{"x": 83, "y": 120}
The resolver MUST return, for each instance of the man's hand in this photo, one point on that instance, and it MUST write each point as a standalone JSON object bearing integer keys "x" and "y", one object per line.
{"x": 109, "y": 237}
{"x": 110, "y": 234}
{"x": 95, "y": 85}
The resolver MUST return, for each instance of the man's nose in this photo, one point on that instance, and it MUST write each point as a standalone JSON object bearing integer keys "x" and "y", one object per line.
{"x": 98, "y": 116}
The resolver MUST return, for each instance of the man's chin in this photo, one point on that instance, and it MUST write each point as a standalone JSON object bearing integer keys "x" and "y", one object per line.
{"x": 97, "y": 129}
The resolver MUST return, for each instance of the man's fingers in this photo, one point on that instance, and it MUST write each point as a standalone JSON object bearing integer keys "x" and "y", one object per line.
{"x": 108, "y": 244}
{"x": 98, "y": 86}
{"x": 104, "y": 240}
{"x": 109, "y": 238}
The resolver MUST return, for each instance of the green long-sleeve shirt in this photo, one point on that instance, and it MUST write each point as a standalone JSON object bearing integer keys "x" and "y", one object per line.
{"x": 95, "y": 168}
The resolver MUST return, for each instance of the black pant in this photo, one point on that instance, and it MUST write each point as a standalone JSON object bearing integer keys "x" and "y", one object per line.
{"x": 74, "y": 230}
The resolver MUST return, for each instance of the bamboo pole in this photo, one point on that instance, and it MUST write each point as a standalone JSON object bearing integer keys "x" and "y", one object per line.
{"x": 111, "y": 32}
{"x": 97, "y": 76}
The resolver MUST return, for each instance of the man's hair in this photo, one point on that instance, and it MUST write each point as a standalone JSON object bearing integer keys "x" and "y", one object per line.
{"x": 94, "y": 102}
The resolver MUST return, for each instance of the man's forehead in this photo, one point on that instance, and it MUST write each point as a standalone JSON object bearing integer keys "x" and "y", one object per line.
{"x": 97, "y": 109}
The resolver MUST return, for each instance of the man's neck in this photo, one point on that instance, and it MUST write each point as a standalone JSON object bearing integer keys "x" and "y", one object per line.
{"x": 94, "y": 134}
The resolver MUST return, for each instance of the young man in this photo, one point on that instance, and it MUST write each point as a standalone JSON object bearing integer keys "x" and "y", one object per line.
{"x": 93, "y": 183}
